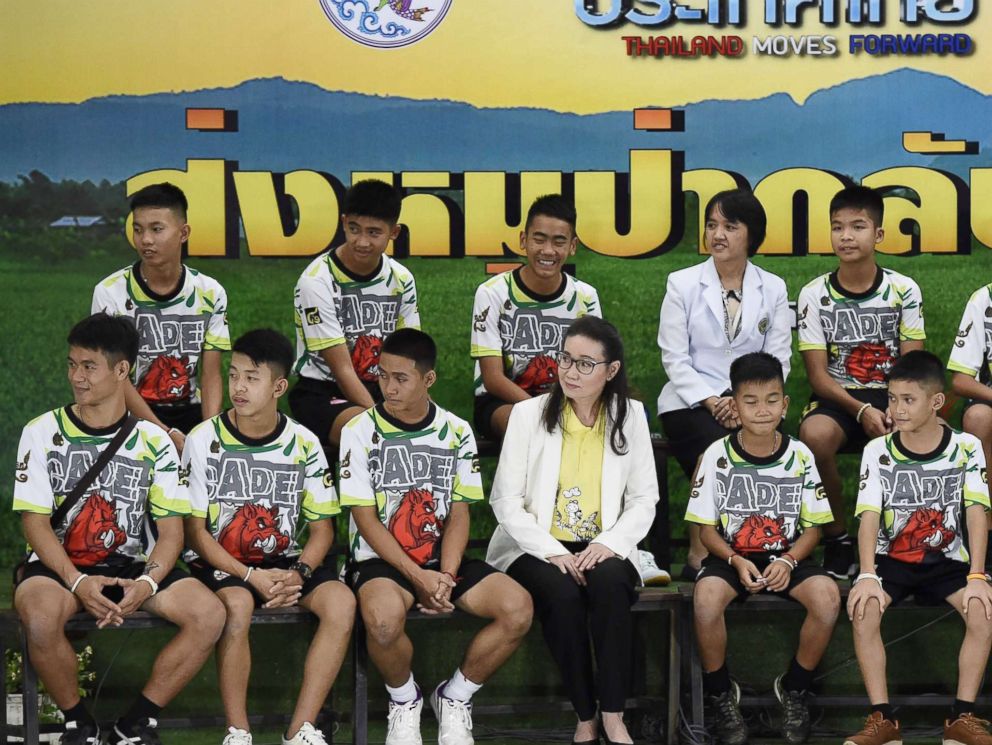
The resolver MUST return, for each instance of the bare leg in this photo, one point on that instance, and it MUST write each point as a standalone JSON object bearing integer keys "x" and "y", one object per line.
{"x": 500, "y": 418}
{"x": 509, "y": 607}
{"x": 234, "y": 655}
{"x": 334, "y": 437}
{"x": 44, "y": 606}
{"x": 334, "y": 605}
{"x": 825, "y": 437}
{"x": 821, "y": 598}
{"x": 974, "y": 653}
{"x": 871, "y": 652}
{"x": 710, "y": 599}
{"x": 199, "y": 614}
{"x": 384, "y": 605}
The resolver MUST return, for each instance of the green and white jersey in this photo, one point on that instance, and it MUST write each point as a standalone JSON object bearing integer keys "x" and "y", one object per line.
{"x": 972, "y": 350}
{"x": 758, "y": 504}
{"x": 920, "y": 496}
{"x": 257, "y": 494}
{"x": 860, "y": 332}
{"x": 334, "y": 306}
{"x": 525, "y": 328}
{"x": 173, "y": 330}
{"x": 142, "y": 480}
{"x": 411, "y": 473}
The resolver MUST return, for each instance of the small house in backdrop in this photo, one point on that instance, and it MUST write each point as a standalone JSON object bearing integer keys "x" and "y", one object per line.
{"x": 79, "y": 221}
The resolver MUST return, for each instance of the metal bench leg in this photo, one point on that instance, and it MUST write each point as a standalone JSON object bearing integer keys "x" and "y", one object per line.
{"x": 30, "y": 699}
{"x": 360, "y": 709}
{"x": 674, "y": 677}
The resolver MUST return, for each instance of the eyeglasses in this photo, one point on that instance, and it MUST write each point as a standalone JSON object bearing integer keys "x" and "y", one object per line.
{"x": 584, "y": 366}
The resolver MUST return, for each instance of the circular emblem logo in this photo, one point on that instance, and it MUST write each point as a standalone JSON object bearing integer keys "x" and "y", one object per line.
{"x": 385, "y": 23}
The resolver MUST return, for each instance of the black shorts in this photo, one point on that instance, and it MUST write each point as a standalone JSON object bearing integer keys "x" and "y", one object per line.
{"x": 470, "y": 573}
{"x": 856, "y": 437}
{"x": 218, "y": 580}
{"x": 482, "y": 415}
{"x": 183, "y": 417}
{"x": 969, "y": 402}
{"x": 125, "y": 569}
{"x": 689, "y": 433}
{"x": 317, "y": 403}
{"x": 714, "y": 567}
{"x": 929, "y": 584}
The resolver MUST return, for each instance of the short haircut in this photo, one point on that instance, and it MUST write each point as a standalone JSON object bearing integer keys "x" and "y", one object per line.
{"x": 552, "y": 205}
{"x": 161, "y": 196}
{"x": 859, "y": 198}
{"x": 920, "y": 366}
{"x": 113, "y": 336}
{"x": 740, "y": 205}
{"x": 267, "y": 347}
{"x": 414, "y": 345}
{"x": 755, "y": 367}
{"x": 372, "y": 198}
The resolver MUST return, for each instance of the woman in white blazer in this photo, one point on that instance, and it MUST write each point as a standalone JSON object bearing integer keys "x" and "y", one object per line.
{"x": 575, "y": 491}
{"x": 713, "y": 313}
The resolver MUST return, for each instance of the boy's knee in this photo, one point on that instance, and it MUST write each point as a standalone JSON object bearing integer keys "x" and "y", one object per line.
{"x": 383, "y": 625}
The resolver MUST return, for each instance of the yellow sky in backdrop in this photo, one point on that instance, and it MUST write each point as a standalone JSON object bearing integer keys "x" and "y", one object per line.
{"x": 486, "y": 52}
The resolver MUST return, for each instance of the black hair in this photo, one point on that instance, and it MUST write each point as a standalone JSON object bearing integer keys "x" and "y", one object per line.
{"x": 413, "y": 344}
{"x": 269, "y": 347}
{"x": 161, "y": 196}
{"x": 113, "y": 336}
{"x": 740, "y": 205}
{"x": 552, "y": 205}
{"x": 372, "y": 198}
{"x": 755, "y": 367}
{"x": 859, "y": 198}
{"x": 616, "y": 391}
{"x": 919, "y": 366}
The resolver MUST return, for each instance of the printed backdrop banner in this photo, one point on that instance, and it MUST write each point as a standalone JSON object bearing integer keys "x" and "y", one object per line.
{"x": 264, "y": 112}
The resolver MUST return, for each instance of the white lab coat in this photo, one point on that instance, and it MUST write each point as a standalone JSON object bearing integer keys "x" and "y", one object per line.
{"x": 694, "y": 348}
{"x": 526, "y": 487}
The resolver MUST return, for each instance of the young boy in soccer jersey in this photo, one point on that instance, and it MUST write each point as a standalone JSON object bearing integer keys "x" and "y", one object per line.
{"x": 347, "y": 301}
{"x": 853, "y": 324}
{"x": 180, "y": 313}
{"x": 920, "y": 486}
{"x": 257, "y": 478}
{"x": 520, "y": 316}
{"x": 94, "y": 559}
{"x": 757, "y": 495}
{"x": 409, "y": 471}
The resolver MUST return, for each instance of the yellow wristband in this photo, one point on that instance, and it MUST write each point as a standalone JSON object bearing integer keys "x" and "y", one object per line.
{"x": 978, "y": 575}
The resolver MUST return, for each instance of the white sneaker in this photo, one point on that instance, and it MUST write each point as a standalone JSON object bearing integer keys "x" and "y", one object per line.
{"x": 651, "y": 575}
{"x": 454, "y": 719}
{"x": 404, "y": 722}
{"x": 237, "y": 736}
{"x": 307, "y": 735}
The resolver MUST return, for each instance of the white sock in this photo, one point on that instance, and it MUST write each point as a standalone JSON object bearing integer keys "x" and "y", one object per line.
{"x": 405, "y": 693}
{"x": 460, "y": 688}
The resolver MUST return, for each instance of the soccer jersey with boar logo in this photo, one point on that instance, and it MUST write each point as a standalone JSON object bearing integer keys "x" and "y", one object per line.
{"x": 257, "y": 494}
{"x": 173, "y": 330}
{"x": 525, "y": 329}
{"x": 141, "y": 481}
{"x": 860, "y": 332}
{"x": 334, "y": 306}
{"x": 411, "y": 474}
{"x": 758, "y": 504}
{"x": 922, "y": 497}
{"x": 972, "y": 350}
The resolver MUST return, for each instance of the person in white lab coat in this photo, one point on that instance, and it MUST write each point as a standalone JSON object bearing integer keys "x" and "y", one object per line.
{"x": 574, "y": 492}
{"x": 712, "y": 313}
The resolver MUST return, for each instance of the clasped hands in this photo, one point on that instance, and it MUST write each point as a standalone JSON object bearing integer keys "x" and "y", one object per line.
{"x": 576, "y": 565}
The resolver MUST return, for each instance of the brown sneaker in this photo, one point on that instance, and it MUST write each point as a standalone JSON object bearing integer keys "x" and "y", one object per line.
{"x": 967, "y": 729}
{"x": 878, "y": 731}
